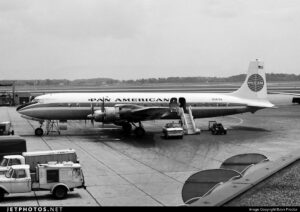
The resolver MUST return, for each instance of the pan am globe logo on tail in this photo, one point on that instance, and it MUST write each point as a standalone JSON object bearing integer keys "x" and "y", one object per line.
{"x": 255, "y": 82}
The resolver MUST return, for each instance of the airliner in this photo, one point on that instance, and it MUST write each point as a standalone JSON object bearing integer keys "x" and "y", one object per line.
{"x": 129, "y": 109}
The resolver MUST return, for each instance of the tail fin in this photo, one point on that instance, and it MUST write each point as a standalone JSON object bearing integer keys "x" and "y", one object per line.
{"x": 255, "y": 86}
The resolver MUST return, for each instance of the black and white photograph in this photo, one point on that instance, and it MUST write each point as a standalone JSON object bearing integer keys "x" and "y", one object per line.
{"x": 149, "y": 103}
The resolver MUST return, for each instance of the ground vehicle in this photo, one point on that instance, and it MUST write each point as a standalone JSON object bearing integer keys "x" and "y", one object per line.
{"x": 12, "y": 145}
{"x": 6, "y": 128}
{"x": 216, "y": 128}
{"x": 173, "y": 130}
{"x": 58, "y": 178}
{"x": 34, "y": 158}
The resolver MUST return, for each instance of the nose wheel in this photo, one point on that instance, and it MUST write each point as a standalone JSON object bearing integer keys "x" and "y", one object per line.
{"x": 39, "y": 131}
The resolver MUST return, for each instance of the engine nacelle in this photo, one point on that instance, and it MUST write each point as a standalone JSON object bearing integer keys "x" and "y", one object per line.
{"x": 109, "y": 115}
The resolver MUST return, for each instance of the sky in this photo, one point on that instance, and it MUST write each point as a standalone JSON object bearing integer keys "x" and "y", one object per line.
{"x": 134, "y": 39}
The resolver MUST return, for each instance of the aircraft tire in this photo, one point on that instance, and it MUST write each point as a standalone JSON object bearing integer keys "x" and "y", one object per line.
{"x": 39, "y": 131}
{"x": 60, "y": 192}
{"x": 139, "y": 132}
{"x": 2, "y": 193}
{"x": 127, "y": 127}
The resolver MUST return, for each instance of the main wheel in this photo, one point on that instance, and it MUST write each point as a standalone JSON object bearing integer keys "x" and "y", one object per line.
{"x": 139, "y": 132}
{"x": 127, "y": 127}
{"x": 39, "y": 131}
{"x": 60, "y": 192}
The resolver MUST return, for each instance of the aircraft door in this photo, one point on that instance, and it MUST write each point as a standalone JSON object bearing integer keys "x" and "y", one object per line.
{"x": 173, "y": 104}
{"x": 182, "y": 103}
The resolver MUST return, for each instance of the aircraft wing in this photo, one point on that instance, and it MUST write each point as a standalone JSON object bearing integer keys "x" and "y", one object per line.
{"x": 135, "y": 112}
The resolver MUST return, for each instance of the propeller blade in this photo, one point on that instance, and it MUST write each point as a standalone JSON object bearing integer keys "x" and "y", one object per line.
{"x": 103, "y": 109}
{"x": 92, "y": 114}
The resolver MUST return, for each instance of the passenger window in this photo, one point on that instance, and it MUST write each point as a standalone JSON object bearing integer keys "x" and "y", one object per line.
{"x": 52, "y": 176}
{"x": 20, "y": 173}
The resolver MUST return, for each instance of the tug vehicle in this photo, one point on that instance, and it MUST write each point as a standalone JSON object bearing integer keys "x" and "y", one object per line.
{"x": 6, "y": 128}
{"x": 217, "y": 128}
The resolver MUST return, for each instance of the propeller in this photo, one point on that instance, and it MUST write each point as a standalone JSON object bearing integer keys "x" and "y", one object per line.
{"x": 102, "y": 109}
{"x": 92, "y": 114}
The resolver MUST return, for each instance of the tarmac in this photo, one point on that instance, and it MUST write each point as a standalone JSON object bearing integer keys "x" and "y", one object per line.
{"x": 124, "y": 170}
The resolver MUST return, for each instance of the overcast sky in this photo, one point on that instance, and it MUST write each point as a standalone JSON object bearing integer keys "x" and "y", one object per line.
{"x": 132, "y": 39}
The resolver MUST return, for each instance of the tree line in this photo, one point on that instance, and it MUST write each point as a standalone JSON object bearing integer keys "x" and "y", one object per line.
{"x": 108, "y": 81}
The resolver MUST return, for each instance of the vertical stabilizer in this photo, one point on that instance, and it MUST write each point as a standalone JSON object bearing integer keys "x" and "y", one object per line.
{"x": 255, "y": 86}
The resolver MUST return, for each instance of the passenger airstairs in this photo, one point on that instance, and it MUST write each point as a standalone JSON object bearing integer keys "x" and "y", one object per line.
{"x": 188, "y": 121}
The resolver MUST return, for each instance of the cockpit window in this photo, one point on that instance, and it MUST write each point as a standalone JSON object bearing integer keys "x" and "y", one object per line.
{"x": 27, "y": 104}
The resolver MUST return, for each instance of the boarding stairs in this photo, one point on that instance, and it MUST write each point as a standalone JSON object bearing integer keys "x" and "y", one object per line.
{"x": 188, "y": 122}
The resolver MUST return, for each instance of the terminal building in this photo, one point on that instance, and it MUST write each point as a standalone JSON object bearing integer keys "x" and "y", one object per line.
{"x": 10, "y": 97}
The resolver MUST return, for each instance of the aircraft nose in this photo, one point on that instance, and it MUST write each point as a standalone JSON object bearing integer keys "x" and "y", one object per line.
{"x": 23, "y": 106}
{"x": 20, "y": 107}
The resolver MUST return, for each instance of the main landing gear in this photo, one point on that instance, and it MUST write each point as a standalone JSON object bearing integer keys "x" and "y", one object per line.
{"x": 139, "y": 130}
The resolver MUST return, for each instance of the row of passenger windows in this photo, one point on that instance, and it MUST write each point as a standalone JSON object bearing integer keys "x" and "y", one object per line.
{"x": 206, "y": 104}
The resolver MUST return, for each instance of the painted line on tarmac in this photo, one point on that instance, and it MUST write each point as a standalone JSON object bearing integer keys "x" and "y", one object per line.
{"x": 241, "y": 121}
{"x": 114, "y": 171}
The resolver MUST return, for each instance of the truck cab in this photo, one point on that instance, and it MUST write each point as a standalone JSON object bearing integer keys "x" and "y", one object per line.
{"x": 16, "y": 180}
{"x": 10, "y": 160}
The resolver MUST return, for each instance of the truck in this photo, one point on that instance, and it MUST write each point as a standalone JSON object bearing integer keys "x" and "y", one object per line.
{"x": 40, "y": 157}
{"x": 173, "y": 130}
{"x": 6, "y": 128}
{"x": 12, "y": 145}
{"x": 58, "y": 178}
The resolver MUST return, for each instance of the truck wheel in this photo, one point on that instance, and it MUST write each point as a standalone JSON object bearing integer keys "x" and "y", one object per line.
{"x": 60, "y": 192}
{"x": 1, "y": 195}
